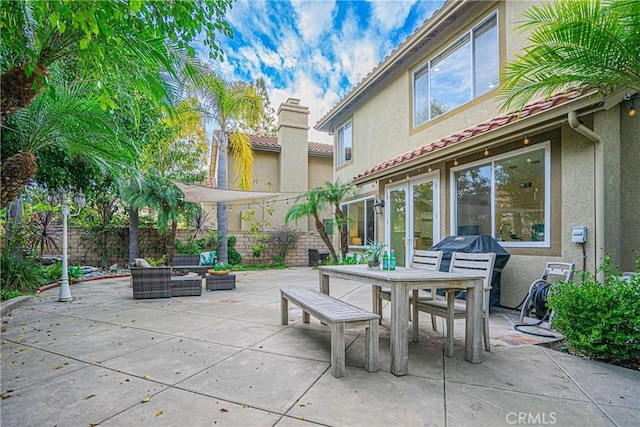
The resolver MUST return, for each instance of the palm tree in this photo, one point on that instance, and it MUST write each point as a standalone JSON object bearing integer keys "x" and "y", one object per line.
{"x": 308, "y": 205}
{"x": 229, "y": 104}
{"x": 101, "y": 39}
{"x": 165, "y": 199}
{"x": 64, "y": 117}
{"x": 591, "y": 44}
{"x": 333, "y": 193}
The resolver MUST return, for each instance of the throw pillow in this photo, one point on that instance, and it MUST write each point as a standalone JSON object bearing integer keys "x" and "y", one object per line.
{"x": 141, "y": 262}
{"x": 207, "y": 258}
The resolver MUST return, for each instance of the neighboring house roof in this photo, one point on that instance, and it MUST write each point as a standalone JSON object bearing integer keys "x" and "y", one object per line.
{"x": 258, "y": 141}
{"x": 480, "y": 128}
{"x": 270, "y": 143}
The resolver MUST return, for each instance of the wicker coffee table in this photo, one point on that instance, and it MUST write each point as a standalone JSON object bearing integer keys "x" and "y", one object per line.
{"x": 185, "y": 286}
{"x": 220, "y": 282}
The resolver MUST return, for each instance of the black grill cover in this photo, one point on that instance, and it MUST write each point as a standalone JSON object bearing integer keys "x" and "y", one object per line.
{"x": 475, "y": 244}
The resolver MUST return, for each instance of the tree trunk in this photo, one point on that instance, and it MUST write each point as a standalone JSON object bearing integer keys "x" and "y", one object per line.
{"x": 14, "y": 226}
{"x": 344, "y": 231}
{"x": 222, "y": 214}
{"x": 211, "y": 179}
{"x": 325, "y": 238}
{"x": 170, "y": 247}
{"x": 134, "y": 235}
{"x": 16, "y": 172}
{"x": 18, "y": 90}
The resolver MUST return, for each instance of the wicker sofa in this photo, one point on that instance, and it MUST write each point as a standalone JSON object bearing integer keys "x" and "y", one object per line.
{"x": 157, "y": 282}
{"x": 190, "y": 263}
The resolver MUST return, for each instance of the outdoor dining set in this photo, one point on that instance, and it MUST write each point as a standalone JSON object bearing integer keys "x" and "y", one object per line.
{"x": 404, "y": 287}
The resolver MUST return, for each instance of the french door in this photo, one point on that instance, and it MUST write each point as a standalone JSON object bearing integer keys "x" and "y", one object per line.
{"x": 412, "y": 216}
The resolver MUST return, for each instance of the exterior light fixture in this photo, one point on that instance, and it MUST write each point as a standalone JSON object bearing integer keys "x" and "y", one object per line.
{"x": 455, "y": 162}
{"x": 429, "y": 168}
{"x": 526, "y": 140}
{"x": 378, "y": 206}
{"x": 60, "y": 196}
{"x": 632, "y": 109}
{"x": 486, "y": 151}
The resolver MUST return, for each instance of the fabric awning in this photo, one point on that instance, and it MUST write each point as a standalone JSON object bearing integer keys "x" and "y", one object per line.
{"x": 199, "y": 194}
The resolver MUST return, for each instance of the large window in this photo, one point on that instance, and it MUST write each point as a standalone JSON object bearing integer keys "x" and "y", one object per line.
{"x": 507, "y": 198}
{"x": 344, "y": 143}
{"x": 362, "y": 221}
{"x": 466, "y": 69}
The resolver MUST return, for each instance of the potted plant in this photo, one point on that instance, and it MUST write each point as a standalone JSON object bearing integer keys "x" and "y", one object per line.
{"x": 220, "y": 268}
{"x": 374, "y": 254}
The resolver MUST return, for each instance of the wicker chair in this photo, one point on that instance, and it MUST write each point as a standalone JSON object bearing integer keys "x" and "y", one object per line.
{"x": 151, "y": 282}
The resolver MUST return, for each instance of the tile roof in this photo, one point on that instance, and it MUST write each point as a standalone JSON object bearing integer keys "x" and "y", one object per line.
{"x": 263, "y": 141}
{"x": 480, "y": 128}
{"x": 270, "y": 142}
{"x": 321, "y": 148}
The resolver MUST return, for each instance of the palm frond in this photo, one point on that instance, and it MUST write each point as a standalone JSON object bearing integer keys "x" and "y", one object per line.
{"x": 240, "y": 147}
{"x": 575, "y": 44}
{"x": 66, "y": 117}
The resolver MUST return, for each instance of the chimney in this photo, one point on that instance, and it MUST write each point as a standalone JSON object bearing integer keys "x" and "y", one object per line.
{"x": 293, "y": 137}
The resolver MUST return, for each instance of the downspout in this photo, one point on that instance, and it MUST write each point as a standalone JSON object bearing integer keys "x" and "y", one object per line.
{"x": 598, "y": 185}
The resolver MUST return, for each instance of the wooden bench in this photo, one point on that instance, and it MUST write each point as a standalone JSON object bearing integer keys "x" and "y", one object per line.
{"x": 336, "y": 314}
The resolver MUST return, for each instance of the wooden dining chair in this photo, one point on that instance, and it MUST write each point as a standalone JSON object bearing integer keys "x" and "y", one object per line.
{"x": 449, "y": 308}
{"x": 421, "y": 260}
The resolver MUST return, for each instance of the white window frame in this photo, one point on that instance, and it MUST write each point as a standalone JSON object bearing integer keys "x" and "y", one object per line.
{"x": 547, "y": 191}
{"x": 340, "y": 148}
{"x": 427, "y": 65}
{"x": 366, "y": 239}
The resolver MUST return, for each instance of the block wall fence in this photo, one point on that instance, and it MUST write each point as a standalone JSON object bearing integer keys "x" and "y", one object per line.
{"x": 82, "y": 251}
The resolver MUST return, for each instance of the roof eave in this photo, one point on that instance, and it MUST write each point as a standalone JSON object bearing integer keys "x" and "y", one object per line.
{"x": 395, "y": 58}
{"x": 318, "y": 154}
{"x": 536, "y": 123}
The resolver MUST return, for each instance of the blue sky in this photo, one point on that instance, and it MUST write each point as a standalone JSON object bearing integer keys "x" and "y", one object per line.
{"x": 315, "y": 50}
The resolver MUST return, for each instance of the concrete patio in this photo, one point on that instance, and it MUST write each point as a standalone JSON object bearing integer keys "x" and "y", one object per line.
{"x": 224, "y": 359}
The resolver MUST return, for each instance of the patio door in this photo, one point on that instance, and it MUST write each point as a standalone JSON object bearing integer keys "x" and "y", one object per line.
{"x": 412, "y": 217}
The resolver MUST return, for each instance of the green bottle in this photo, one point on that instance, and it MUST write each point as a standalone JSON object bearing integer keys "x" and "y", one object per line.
{"x": 392, "y": 260}
{"x": 385, "y": 261}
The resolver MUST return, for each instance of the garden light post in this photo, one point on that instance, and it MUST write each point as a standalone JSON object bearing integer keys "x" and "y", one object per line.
{"x": 79, "y": 199}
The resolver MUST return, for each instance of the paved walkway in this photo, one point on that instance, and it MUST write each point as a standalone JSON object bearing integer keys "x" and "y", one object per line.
{"x": 224, "y": 359}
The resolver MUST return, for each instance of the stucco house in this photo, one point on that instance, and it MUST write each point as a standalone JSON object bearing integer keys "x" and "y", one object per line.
{"x": 424, "y": 135}
{"x": 288, "y": 163}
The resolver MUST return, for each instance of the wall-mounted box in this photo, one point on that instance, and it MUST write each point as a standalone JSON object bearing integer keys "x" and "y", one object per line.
{"x": 578, "y": 234}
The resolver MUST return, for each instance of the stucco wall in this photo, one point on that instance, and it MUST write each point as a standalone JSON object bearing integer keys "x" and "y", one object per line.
{"x": 630, "y": 181}
{"x": 382, "y": 130}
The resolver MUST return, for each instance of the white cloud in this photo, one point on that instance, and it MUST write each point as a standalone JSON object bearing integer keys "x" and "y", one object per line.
{"x": 315, "y": 19}
{"x": 391, "y": 14}
{"x": 315, "y": 50}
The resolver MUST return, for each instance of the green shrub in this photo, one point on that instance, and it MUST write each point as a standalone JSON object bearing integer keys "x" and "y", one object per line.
{"x": 209, "y": 242}
{"x": 7, "y": 295}
{"x": 191, "y": 246}
{"x": 53, "y": 273}
{"x": 233, "y": 255}
{"x": 601, "y": 321}
{"x": 23, "y": 275}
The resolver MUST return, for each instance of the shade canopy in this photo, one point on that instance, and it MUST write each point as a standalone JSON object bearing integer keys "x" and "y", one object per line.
{"x": 198, "y": 194}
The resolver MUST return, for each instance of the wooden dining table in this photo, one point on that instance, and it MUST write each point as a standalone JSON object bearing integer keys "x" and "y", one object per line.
{"x": 402, "y": 282}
